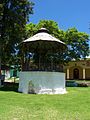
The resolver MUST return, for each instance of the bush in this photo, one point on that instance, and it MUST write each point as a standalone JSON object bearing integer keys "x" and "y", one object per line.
{"x": 82, "y": 85}
{"x": 71, "y": 84}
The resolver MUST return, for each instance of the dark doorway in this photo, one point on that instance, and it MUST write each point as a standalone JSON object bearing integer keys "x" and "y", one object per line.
{"x": 76, "y": 73}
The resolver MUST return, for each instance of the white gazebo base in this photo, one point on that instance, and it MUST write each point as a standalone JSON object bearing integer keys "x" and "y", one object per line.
{"x": 52, "y": 91}
{"x": 42, "y": 82}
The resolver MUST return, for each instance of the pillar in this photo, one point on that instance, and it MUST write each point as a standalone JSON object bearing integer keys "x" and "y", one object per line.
{"x": 67, "y": 73}
{"x": 83, "y": 73}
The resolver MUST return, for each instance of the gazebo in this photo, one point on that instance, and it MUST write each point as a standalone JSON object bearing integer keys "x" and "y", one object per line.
{"x": 41, "y": 75}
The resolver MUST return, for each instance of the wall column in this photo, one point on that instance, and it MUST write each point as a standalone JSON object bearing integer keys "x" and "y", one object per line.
{"x": 67, "y": 73}
{"x": 84, "y": 73}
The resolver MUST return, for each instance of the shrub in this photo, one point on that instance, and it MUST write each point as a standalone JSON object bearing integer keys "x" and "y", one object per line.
{"x": 83, "y": 84}
{"x": 71, "y": 84}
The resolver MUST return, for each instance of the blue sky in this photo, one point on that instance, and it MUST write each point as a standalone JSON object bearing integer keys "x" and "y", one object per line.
{"x": 67, "y": 13}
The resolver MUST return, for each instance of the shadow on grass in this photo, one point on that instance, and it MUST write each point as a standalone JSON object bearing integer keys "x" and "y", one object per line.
{"x": 10, "y": 87}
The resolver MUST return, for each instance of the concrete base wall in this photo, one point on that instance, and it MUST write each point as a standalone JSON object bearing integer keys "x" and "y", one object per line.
{"x": 42, "y": 82}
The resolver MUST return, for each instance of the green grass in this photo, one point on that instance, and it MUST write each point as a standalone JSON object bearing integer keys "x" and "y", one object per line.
{"x": 75, "y": 105}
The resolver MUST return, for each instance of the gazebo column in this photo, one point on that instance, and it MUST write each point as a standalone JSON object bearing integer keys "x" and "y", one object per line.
{"x": 67, "y": 73}
{"x": 84, "y": 73}
{"x": 39, "y": 66}
{"x": 22, "y": 58}
{"x": 51, "y": 63}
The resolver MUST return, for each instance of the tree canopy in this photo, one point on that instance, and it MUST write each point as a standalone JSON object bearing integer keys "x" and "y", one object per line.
{"x": 14, "y": 15}
{"x": 77, "y": 42}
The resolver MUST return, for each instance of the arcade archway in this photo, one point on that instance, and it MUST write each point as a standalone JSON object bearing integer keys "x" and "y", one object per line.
{"x": 76, "y": 73}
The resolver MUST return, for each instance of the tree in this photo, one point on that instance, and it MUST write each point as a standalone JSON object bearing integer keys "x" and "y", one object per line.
{"x": 30, "y": 30}
{"x": 14, "y": 15}
{"x": 77, "y": 43}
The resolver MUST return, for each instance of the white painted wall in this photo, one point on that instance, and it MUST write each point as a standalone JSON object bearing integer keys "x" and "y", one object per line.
{"x": 42, "y": 82}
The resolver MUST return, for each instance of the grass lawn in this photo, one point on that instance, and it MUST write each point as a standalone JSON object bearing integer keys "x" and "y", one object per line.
{"x": 75, "y": 105}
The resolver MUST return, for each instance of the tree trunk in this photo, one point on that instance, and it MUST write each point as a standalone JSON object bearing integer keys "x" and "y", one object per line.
{"x": 0, "y": 65}
{"x": 0, "y": 58}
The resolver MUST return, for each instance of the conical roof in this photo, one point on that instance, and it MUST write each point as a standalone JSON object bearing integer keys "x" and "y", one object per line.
{"x": 42, "y": 40}
{"x": 43, "y": 35}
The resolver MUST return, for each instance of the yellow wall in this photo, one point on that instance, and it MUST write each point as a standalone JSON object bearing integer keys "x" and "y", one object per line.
{"x": 87, "y": 73}
{"x": 80, "y": 65}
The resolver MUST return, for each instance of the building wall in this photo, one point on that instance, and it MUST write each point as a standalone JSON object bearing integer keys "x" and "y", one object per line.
{"x": 83, "y": 66}
{"x": 88, "y": 74}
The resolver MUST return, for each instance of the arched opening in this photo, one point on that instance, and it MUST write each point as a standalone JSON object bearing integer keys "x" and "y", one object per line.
{"x": 76, "y": 73}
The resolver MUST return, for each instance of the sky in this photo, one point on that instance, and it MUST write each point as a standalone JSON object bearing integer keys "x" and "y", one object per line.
{"x": 67, "y": 13}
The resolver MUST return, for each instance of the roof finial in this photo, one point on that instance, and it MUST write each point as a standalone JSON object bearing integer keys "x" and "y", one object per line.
{"x": 42, "y": 30}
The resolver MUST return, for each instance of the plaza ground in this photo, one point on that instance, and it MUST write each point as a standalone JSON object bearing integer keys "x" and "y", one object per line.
{"x": 75, "y": 105}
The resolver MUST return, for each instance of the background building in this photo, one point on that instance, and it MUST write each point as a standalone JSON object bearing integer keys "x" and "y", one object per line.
{"x": 78, "y": 70}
